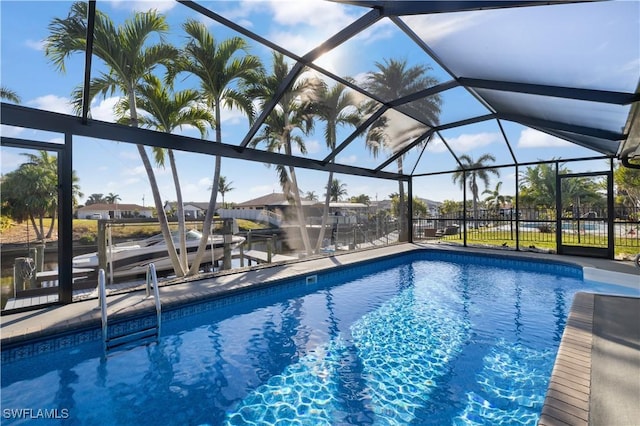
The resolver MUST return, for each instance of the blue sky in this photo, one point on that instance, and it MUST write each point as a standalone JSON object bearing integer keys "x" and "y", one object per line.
{"x": 111, "y": 167}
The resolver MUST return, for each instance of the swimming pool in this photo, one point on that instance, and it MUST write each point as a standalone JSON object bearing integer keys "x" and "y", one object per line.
{"x": 427, "y": 338}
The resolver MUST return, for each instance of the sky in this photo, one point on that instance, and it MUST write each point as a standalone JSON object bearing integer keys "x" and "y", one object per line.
{"x": 113, "y": 167}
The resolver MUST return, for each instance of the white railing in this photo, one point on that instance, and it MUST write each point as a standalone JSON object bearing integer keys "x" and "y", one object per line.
{"x": 263, "y": 215}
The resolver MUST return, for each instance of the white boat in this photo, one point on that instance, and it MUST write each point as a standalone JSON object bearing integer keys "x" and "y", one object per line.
{"x": 132, "y": 258}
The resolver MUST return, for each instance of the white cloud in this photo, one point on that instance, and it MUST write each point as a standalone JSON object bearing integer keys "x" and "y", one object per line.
{"x": 316, "y": 13}
{"x": 531, "y": 138}
{"x": 10, "y": 131}
{"x": 379, "y": 31}
{"x": 144, "y": 5}
{"x": 233, "y": 116}
{"x": 103, "y": 109}
{"x": 432, "y": 28}
{"x": 313, "y": 146}
{"x": 347, "y": 159}
{"x": 52, "y": 103}
{"x": 35, "y": 44}
{"x": 464, "y": 142}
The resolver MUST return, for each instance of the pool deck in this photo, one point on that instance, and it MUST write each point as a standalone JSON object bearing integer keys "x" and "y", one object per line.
{"x": 596, "y": 377}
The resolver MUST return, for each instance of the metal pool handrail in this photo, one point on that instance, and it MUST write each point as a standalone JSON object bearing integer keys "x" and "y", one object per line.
{"x": 102, "y": 299}
{"x": 126, "y": 338}
{"x": 152, "y": 278}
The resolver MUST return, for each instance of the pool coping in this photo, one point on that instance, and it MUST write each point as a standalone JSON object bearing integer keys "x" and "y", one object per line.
{"x": 569, "y": 392}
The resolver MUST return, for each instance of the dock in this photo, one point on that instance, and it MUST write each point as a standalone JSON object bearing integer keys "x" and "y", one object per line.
{"x": 263, "y": 257}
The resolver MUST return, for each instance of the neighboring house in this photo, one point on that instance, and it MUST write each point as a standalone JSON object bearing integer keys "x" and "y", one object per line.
{"x": 192, "y": 209}
{"x": 277, "y": 203}
{"x": 113, "y": 211}
{"x": 273, "y": 208}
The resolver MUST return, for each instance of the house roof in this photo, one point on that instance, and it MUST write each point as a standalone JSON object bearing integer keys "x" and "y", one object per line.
{"x": 110, "y": 207}
{"x": 274, "y": 199}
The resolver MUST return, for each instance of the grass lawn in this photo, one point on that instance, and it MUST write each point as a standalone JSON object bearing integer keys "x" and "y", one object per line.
{"x": 544, "y": 241}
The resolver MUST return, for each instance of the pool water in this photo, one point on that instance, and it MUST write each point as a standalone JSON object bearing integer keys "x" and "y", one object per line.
{"x": 423, "y": 342}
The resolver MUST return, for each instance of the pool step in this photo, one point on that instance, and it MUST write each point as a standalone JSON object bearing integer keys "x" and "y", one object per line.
{"x": 145, "y": 335}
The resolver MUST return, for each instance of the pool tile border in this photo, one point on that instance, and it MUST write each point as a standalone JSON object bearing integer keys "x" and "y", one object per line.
{"x": 182, "y": 307}
{"x": 568, "y": 395}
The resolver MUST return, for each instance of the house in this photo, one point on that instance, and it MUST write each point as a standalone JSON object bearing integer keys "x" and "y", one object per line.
{"x": 192, "y": 209}
{"x": 113, "y": 211}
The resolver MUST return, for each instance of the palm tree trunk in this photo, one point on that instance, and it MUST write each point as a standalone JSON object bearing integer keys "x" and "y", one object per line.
{"x": 180, "y": 212}
{"x": 38, "y": 231}
{"x": 402, "y": 219}
{"x": 162, "y": 215}
{"x": 208, "y": 220}
{"x": 211, "y": 208}
{"x": 157, "y": 199}
{"x": 325, "y": 213}
{"x": 53, "y": 220}
{"x": 301, "y": 218}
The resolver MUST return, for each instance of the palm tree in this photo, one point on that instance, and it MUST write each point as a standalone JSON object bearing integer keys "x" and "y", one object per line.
{"x": 336, "y": 190}
{"x": 129, "y": 57}
{"x": 95, "y": 199}
{"x": 336, "y": 107}
{"x": 494, "y": 199}
{"x": 538, "y": 185}
{"x": 112, "y": 198}
{"x": 294, "y": 112}
{"x": 394, "y": 79}
{"x": 9, "y": 95}
{"x": 31, "y": 192}
{"x": 311, "y": 196}
{"x": 220, "y": 67}
{"x": 477, "y": 170}
{"x": 167, "y": 111}
{"x": 224, "y": 187}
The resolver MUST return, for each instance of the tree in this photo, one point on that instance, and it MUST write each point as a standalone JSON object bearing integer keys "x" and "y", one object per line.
{"x": 494, "y": 199}
{"x": 95, "y": 199}
{"x": 419, "y": 207}
{"x": 311, "y": 196}
{"x": 112, "y": 198}
{"x": 166, "y": 111}
{"x": 538, "y": 186}
{"x": 628, "y": 185}
{"x": 31, "y": 192}
{"x": 9, "y": 95}
{"x": 224, "y": 187}
{"x": 336, "y": 190}
{"x": 336, "y": 106}
{"x": 474, "y": 170}
{"x": 393, "y": 80}
{"x": 450, "y": 208}
{"x": 220, "y": 68}
{"x": 129, "y": 57}
{"x": 292, "y": 115}
{"x": 362, "y": 199}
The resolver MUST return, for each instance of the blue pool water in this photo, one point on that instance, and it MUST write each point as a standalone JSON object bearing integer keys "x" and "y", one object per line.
{"x": 418, "y": 342}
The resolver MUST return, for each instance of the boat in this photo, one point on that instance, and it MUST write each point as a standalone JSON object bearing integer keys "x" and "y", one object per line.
{"x": 131, "y": 259}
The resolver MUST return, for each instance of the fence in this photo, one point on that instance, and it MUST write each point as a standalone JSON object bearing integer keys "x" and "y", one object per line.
{"x": 533, "y": 228}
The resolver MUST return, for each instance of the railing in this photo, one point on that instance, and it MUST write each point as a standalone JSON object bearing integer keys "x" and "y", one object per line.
{"x": 532, "y": 228}
{"x": 152, "y": 279}
{"x": 112, "y": 342}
